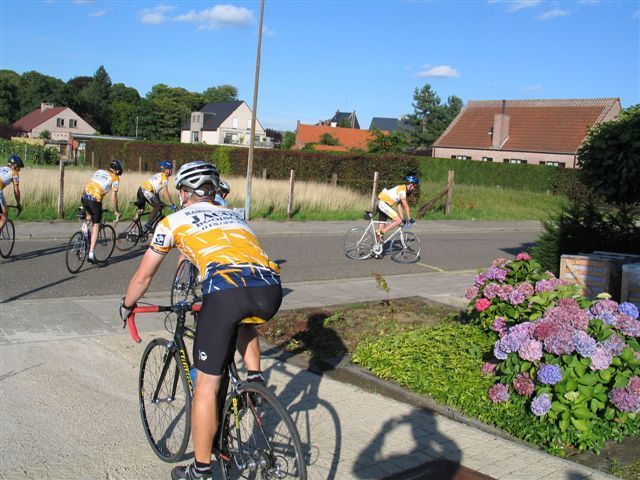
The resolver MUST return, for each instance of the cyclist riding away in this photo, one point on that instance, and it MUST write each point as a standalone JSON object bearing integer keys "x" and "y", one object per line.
{"x": 102, "y": 182}
{"x": 238, "y": 282}
{"x": 388, "y": 199}
{"x": 221, "y": 194}
{"x": 10, "y": 174}
{"x": 150, "y": 190}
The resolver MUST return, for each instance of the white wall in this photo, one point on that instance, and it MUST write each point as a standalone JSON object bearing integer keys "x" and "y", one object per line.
{"x": 62, "y": 133}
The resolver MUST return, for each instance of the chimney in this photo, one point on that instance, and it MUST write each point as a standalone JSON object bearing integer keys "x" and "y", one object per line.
{"x": 353, "y": 119}
{"x": 45, "y": 106}
{"x": 500, "y": 127}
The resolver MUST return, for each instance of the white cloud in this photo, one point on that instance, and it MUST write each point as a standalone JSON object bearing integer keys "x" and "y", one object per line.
{"x": 589, "y": 2}
{"x": 515, "y": 5}
{"x": 439, "y": 71}
{"x": 218, "y": 17}
{"x": 156, "y": 15}
{"x": 636, "y": 14}
{"x": 98, "y": 13}
{"x": 267, "y": 32}
{"x": 555, "y": 13}
{"x": 533, "y": 88}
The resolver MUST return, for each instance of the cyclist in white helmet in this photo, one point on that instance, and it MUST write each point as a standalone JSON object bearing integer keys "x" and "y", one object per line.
{"x": 10, "y": 175}
{"x": 221, "y": 195}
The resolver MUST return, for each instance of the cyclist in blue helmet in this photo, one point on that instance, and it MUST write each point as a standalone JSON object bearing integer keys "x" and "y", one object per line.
{"x": 149, "y": 192}
{"x": 396, "y": 197}
{"x": 10, "y": 175}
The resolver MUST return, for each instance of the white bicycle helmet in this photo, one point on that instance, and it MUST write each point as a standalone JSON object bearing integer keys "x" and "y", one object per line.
{"x": 224, "y": 186}
{"x": 193, "y": 175}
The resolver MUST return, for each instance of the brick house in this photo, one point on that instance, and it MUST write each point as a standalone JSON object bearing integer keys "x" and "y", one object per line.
{"x": 541, "y": 132}
{"x": 348, "y": 138}
{"x": 60, "y": 122}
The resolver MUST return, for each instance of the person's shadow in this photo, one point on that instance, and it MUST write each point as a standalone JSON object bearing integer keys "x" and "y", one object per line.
{"x": 432, "y": 455}
{"x": 316, "y": 419}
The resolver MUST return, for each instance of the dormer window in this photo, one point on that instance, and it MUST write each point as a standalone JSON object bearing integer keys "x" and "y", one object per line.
{"x": 59, "y": 122}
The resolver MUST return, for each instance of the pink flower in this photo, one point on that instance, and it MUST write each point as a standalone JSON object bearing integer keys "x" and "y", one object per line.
{"x": 523, "y": 256}
{"x": 482, "y": 304}
{"x": 488, "y": 368}
{"x": 523, "y": 384}
{"x": 499, "y": 393}
{"x": 530, "y": 350}
{"x": 471, "y": 292}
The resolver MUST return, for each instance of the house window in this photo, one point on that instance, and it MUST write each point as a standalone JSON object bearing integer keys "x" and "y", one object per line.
{"x": 195, "y": 137}
{"x": 59, "y": 122}
{"x": 234, "y": 122}
{"x": 249, "y": 124}
{"x": 487, "y": 159}
{"x": 553, "y": 164}
{"x": 514, "y": 160}
{"x": 461, "y": 157}
{"x": 195, "y": 118}
{"x": 73, "y": 123}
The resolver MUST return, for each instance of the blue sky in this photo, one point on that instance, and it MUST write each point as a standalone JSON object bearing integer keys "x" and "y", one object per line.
{"x": 320, "y": 56}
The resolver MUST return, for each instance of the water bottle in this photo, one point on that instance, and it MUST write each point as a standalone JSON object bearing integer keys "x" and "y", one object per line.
{"x": 192, "y": 374}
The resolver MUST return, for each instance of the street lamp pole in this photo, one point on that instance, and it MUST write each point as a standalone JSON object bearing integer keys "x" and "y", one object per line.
{"x": 247, "y": 199}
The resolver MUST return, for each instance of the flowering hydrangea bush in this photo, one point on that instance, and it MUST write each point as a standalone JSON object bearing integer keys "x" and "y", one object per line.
{"x": 574, "y": 361}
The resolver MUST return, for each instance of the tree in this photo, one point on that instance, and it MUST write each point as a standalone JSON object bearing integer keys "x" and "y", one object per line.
{"x": 166, "y": 110}
{"x": 45, "y": 135}
{"x": 430, "y": 117}
{"x": 391, "y": 142}
{"x": 9, "y": 100}
{"x": 93, "y": 101}
{"x": 275, "y": 136}
{"x": 328, "y": 139}
{"x": 221, "y": 93}
{"x": 35, "y": 88}
{"x": 609, "y": 158}
{"x": 288, "y": 140}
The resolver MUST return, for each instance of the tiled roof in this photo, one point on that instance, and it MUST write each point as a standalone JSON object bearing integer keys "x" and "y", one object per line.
{"x": 390, "y": 124}
{"x": 35, "y": 118}
{"x": 347, "y": 137}
{"x": 554, "y": 126}
{"x": 214, "y": 114}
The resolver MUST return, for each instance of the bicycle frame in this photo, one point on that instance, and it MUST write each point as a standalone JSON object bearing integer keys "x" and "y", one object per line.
{"x": 373, "y": 226}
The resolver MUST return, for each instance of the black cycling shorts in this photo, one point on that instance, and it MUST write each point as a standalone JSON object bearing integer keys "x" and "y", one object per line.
{"x": 93, "y": 208}
{"x": 148, "y": 197}
{"x": 221, "y": 314}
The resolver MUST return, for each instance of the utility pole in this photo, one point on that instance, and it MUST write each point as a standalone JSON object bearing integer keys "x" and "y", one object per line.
{"x": 252, "y": 140}
{"x": 136, "y": 128}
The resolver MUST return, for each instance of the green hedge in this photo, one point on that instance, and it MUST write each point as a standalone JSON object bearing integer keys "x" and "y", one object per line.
{"x": 30, "y": 154}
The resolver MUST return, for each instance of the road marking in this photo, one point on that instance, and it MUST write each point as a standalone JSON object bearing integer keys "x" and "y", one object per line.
{"x": 432, "y": 267}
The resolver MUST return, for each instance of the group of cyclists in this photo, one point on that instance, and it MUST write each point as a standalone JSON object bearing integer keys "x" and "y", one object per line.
{"x": 238, "y": 278}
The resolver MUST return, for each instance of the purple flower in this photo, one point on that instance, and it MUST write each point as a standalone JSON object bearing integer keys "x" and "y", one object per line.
{"x": 504, "y": 291}
{"x": 634, "y": 386}
{"x": 614, "y": 345}
{"x": 561, "y": 343}
{"x": 600, "y": 359}
{"x": 630, "y": 309}
{"x": 491, "y": 290}
{"x": 545, "y": 328}
{"x": 628, "y": 325}
{"x": 499, "y": 393}
{"x": 602, "y": 306}
{"x": 549, "y": 374}
{"x": 480, "y": 279}
{"x": 547, "y": 285}
{"x": 530, "y": 350}
{"x": 498, "y": 324}
{"x": 499, "y": 262}
{"x": 516, "y": 297}
{"x": 608, "y": 318}
{"x": 525, "y": 288}
{"x": 541, "y": 404}
{"x": 497, "y": 273}
{"x": 488, "y": 368}
{"x": 585, "y": 344}
{"x": 471, "y": 293}
{"x": 523, "y": 384}
{"x": 498, "y": 352}
{"x": 625, "y": 401}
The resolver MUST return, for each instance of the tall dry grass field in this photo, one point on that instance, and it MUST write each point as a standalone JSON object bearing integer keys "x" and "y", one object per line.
{"x": 39, "y": 188}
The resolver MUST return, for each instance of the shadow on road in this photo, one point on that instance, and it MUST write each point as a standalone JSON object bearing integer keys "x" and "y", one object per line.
{"x": 43, "y": 252}
{"x": 34, "y": 290}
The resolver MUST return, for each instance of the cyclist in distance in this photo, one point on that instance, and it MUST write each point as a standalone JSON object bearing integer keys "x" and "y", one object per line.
{"x": 150, "y": 191}
{"x": 10, "y": 174}
{"x": 102, "y": 182}
{"x": 221, "y": 194}
{"x": 396, "y": 196}
{"x": 238, "y": 281}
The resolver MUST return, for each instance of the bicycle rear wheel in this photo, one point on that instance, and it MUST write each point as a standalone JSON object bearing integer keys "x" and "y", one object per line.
{"x": 7, "y": 239}
{"x": 185, "y": 286}
{"x": 127, "y": 235}
{"x": 105, "y": 243}
{"x": 407, "y": 252}
{"x": 165, "y": 400}
{"x": 259, "y": 438}
{"x": 358, "y": 243}
{"x": 76, "y": 252}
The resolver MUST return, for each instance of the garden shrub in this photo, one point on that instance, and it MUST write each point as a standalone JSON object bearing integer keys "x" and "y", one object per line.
{"x": 30, "y": 154}
{"x": 575, "y": 361}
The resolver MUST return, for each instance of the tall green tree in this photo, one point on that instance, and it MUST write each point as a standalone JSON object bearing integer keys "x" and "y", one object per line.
{"x": 221, "y": 93}
{"x": 430, "y": 116}
{"x": 167, "y": 109}
{"x": 391, "y": 142}
{"x": 9, "y": 100}
{"x": 94, "y": 101}
{"x": 35, "y": 88}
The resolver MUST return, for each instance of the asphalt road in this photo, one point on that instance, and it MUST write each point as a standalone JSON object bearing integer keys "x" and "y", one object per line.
{"x": 37, "y": 267}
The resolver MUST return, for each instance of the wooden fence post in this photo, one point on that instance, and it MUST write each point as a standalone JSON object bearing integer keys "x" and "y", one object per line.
{"x": 264, "y": 173}
{"x": 334, "y": 180}
{"x": 61, "y": 191}
{"x": 290, "y": 202}
{"x": 450, "y": 183}
{"x": 374, "y": 197}
{"x": 139, "y": 164}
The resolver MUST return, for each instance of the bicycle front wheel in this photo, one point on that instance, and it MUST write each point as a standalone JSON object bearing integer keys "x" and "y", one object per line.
{"x": 165, "y": 400}
{"x": 105, "y": 244}
{"x": 258, "y": 438}
{"x": 7, "y": 239}
{"x": 127, "y": 235}
{"x": 358, "y": 243}
{"x": 185, "y": 284}
{"x": 76, "y": 252}
{"x": 406, "y": 249}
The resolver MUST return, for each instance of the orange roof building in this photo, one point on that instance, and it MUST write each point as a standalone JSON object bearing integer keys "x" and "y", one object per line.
{"x": 544, "y": 132}
{"x": 348, "y": 138}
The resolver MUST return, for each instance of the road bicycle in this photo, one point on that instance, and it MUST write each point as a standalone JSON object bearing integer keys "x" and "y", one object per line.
{"x": 80, "y": 243}
{"x": 361, "y": 243}
{"x": 256, "y": 439}
{"x": 8, "y": 236}
{"x": 129, "y": 233}
{"x": 186, "y": 284}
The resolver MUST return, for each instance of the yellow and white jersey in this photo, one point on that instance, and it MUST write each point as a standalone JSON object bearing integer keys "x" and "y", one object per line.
{"x": 220, "y": 243}
{"x": 102, "y": 182}
{"x": 394, "y": 195}
{"x": 8, "y": 175}
{"x": 156, "y": 183}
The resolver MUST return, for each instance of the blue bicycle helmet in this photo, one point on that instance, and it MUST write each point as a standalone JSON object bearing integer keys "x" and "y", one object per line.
{"x": 412, "y": 179}
{"x": 16, "y": 160}
{"x": 166, "y": 165}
